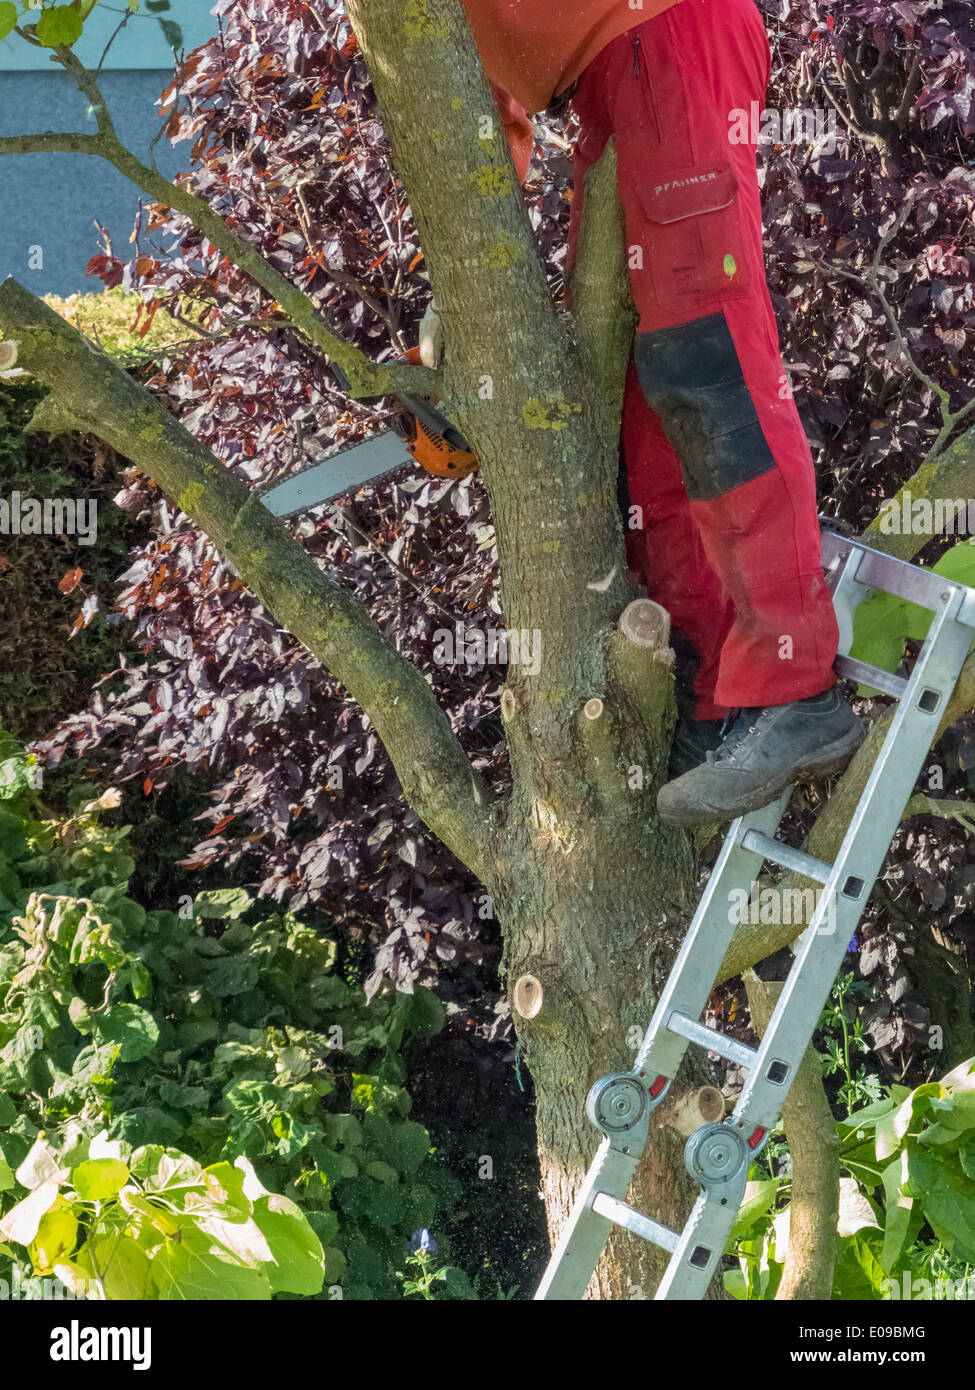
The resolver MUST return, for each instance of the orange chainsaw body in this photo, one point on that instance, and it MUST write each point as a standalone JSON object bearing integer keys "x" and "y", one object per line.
{"x": 434, "y": 451}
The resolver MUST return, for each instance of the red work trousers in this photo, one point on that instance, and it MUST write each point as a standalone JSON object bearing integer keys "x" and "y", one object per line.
{"x": 722, "y": 525}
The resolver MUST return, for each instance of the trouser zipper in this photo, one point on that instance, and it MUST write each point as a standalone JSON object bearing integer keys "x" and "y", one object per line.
{"x": 636, "y": 55}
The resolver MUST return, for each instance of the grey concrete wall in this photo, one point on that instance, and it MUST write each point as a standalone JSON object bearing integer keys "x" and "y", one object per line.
{"x": 48, "y": 201}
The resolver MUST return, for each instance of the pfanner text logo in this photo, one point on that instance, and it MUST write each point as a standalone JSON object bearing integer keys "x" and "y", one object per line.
{"x": 689, "y": 182}
{"x": 77, "y": 1343}
{"x": 54, "y": 516}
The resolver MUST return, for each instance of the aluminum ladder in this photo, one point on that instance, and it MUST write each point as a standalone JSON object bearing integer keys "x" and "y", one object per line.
{"x": 717, "y": 1155}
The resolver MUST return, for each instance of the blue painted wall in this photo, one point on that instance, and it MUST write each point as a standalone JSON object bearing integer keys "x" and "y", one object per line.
{"x": 49, "y": 201}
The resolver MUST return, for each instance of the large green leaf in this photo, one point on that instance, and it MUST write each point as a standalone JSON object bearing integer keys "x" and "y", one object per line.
{"x": 60, "y": 25}
{"x": 234, "y": 976}
{"x": 135, "y": 1030}
{"x": 953, "y": 1117}
{"x": 947, "y": 1197}
{"x": 57, "y": 1235}
{"x": 898, "y": 1209}
{"x": 882, "y": 623}
{"x": 403, "y": 1143}
{"x": 99, "y": 1178}
{"x": 123, "y": 1266}
{"x": 759, "y": 1201}
{"x": 193, "y": 1269}
{"x": 893, "y": 1128}
{"x": 867, "y": 1117}
{"x": 8, "y": 17}
{"x": 858, "y": 1274}
{"x": 219, "y": 903}
{"x": 299, "y": 1260}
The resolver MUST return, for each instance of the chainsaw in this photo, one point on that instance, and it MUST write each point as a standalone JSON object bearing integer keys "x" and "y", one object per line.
{"x": 418, "y": 430}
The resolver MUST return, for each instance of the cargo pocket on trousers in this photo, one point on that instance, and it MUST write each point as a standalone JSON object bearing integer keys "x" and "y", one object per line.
{"x": 693, "y": 246}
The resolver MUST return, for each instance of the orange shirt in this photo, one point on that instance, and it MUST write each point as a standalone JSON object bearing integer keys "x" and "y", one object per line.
{"x": 534, "y": 49}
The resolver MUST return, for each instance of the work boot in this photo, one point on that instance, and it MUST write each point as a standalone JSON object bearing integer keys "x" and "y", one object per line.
{"x": 693, "y": 740}
{"x": 765, "y": 751}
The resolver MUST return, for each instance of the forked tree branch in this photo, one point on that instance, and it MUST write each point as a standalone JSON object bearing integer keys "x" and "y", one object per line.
{"x": 91, "y": 392}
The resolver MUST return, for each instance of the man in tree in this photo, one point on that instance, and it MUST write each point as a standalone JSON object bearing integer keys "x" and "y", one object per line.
{"x": 723, "y": 521}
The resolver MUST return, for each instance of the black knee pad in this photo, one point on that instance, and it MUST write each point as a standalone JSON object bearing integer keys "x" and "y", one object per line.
{"x": 692, "y": 378}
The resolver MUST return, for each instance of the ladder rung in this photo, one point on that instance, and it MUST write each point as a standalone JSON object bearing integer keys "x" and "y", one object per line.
{"x": 873, "y": 676}
{"x": 714, "y": 1042}
{"x": 622, "y": 1215}
{"x": 777, "y": 853}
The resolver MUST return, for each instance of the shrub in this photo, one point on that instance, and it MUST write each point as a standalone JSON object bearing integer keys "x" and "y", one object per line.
{"x": 230, "y": 1040}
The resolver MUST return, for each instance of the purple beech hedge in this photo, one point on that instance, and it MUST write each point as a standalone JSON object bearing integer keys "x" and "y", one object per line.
{"x": 286, "y": 144}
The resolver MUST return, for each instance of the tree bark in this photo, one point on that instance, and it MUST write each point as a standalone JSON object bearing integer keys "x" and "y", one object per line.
{"x": 814, "y": 1147}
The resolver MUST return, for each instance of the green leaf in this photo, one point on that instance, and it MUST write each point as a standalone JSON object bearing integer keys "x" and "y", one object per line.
{"x": 893, "y": 1128}
{"x": 160, "y": 1167}
{"x": 966, "y": 1157}
{"x": 867, "y": 1118}
{"x": 99, "y": 1178}
{"x": 947, "y": 1197}
{"x": 123, "y": 1265}
{"x": 880, "y": 625}
{"x": 61, "y": 25}
{"x": 858, "y": 1272}
{"x": 132, "y": 1028}
{"x": 191, "y": 1269}
{"x": 898, "y": 1208}
{"x": 19, "y": 773}
{"x": 79, "y": 1015}
{"x": 456, "y": 1284}
{"x": 40, "y": 1166}
{"x": 958, "y": 564}
{"x": 146, "y": 1124}
{"x": 8, "y": 18}
{"x": 56, "y": 1237}
{"x": 382, "y": 1172}
{"x": 21, "y": 1222}
{"x": 426, "y": 1014}
{"x": 218, "y": 903}
{"x": 172, "y": 33}
{"x": 299, "y": 1260}
{"x": 402, "y": 1143}
{"x": 759, "y": 1201}
{"x": 952, "y": 1116}
{"x": 234, "y": 976}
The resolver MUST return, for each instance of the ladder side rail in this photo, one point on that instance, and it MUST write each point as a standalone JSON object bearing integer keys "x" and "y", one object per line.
{"x": 691, "y": 979}
{"x": 860, "y": 858}
{"x": 585, "y": 1233}
{"x": 707, "y": 1229}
